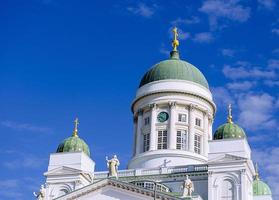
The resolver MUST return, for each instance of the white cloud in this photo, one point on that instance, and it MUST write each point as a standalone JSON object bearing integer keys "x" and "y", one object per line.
{"x": 224, "y": 9}
{"x": 271, "y": 83}
{"x": 222, "y": 97}
{"x": 246, "y": 85}
{"x": 204, "y": 37}
{"x": 275, "y": 31}
{"x": 24, "y": 127}
{"x": 142, "y": 10}
{"x": 256, "y": 111}
{"x": 26, "y": 161}
{"x": 192, "y": 20}
{"x": 273, "y": 63}
{"x": 241, "y": 72}
{"x": 228, "y": 52}
{"x": 268, "y": 4}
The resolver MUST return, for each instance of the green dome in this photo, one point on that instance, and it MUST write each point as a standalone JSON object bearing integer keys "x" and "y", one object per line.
{"x": 73, "y": 144}
{"x": 229, "y": 131}
{"x": 174, "y": 68}
{"x": 260, "y": 188}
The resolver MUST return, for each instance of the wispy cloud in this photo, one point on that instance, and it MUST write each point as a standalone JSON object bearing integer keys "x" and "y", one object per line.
{"x": 25, "y": 127}
{"x": 275, "y": 31}
{"x": 273, "y": 64}
{"x": 192, "y": 20}
{"x": 222, "y": 97}
{"x": 24, "y": 161}
{"x": 224, "y": 9}
{"x": 143, "y": 10}
{"x": 256, "y": 111}
{"x": 267, "y": 4}
{"x": 240, "y": 72}
{"x": 241, "y": 86}
{"x": 228, "y": 52}
{"x": 204, "y": 37}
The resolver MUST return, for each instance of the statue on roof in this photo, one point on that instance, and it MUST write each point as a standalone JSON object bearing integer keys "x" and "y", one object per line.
{"x": 112, "y": 165}
{"x": 188, "y": 187}
{"x": 41, "y": 194}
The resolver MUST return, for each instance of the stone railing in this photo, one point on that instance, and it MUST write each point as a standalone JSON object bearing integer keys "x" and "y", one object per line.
{"x": 155, "y": 171}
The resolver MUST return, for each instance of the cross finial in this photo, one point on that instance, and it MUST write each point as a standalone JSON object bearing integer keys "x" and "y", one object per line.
{"x": 75, "y": 132}
{"x": 257, "y": 176}
{"x": 175, "y": 42}
{"x": 230, "y": 114}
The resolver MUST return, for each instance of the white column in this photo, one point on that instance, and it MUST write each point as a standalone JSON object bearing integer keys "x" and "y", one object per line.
{"x": 243, "y": 185}
{"x": 153, "y": 120}
{"x": 210, "y": 123}
{"x": 135, "y": 135}
{"x": 205, "y": 134}
{"x": 191, "y": 127}
{"x": 172, "y": 132}
{"x": 139, "y": 133}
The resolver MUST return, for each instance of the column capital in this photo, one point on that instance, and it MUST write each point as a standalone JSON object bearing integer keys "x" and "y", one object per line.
{"x": 192, "y": 107}
{"x": 153, "y": 106}
{"x": 172, "y": 104}
{"x": 140, "y": 111}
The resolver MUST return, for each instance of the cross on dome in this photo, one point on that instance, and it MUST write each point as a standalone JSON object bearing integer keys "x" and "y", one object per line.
{"x": 75, "y": 132}
{"x": 175, "y": 42}
{"x": 230, "y": 114}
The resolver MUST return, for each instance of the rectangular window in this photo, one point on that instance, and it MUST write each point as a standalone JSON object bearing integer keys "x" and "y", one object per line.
{"x": 162, "y": 139}
{"x": 146, "y": 142}
{"x": 198, "y": 122}
{"x": 197, "y": 144}
{"x": 182, "y": 117}
{"x": 146, "y": 121}
{"x": 181, "y": 140}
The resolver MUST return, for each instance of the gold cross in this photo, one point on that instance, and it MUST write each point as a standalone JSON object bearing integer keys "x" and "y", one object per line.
{"x": 175, "y": 42}
{"x": 230, "y": 113}
{"x": 76, "y": 128}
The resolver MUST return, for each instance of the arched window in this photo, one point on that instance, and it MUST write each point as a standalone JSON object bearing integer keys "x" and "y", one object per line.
{"x": 227, "y": 191}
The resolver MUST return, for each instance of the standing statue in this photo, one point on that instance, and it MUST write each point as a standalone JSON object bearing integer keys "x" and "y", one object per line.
{"x": 41, "y": 194}
{"x": 112, "y": 165}
{"x": 188, "y": 187}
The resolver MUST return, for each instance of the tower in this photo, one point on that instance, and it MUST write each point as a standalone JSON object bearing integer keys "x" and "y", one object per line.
{"x": 70, "y": 168}
{"x": 173, "y": 112}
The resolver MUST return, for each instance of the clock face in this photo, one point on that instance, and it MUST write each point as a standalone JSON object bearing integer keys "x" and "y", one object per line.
{"x": 163, "y": 116}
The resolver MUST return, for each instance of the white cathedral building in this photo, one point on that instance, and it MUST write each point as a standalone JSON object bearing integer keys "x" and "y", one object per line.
{"x": 175, "y": 153}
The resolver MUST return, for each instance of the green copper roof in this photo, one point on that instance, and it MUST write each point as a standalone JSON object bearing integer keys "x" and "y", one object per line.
{"x": 229, "y": 131}
{"x": 174, "y": 68}
{"x": 260, "y": 188}
{"x": 73, "y": 144}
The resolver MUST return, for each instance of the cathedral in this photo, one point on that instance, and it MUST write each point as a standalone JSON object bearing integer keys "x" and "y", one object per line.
{"x": 176, "y": 154}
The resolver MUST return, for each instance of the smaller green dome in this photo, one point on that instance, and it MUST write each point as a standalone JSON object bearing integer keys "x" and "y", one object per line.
{"x": 260, "y": 188}
{"x": 73, "y": 144}
{"x": 228, "y": 131}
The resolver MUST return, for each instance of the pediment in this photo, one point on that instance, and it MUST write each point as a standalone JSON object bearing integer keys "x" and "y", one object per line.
{"x": 226, "y": 158}
{"x": 62, "y": 171}
{"x": 110, "y": 189}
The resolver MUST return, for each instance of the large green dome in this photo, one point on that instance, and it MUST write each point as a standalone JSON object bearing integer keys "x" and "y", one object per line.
{"x": 228, "y": 131}
{"x": 73, "y": 144}
{"x": 260, "y": 188}
{"x": 174, "y": 68}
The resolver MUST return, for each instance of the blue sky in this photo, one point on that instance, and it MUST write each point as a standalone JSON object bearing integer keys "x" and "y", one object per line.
{"x": 61, "y": 59}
